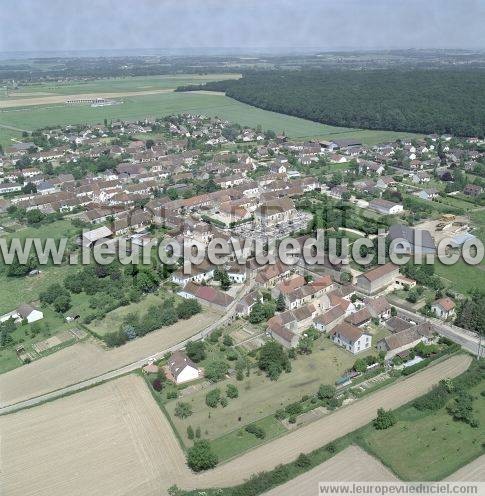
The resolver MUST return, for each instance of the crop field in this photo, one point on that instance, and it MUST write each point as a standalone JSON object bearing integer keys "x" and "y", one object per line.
{"x": 437, "y": 447}
{"x": 260, "y": 397}
{"x": 159, "y": 105}
{"x": 111, "y": 439}
{"x": 352, "y": 464}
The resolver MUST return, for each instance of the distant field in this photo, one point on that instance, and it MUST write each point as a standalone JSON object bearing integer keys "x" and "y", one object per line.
{"x": 159, "y": 105}
{"x": 138, "y": 83}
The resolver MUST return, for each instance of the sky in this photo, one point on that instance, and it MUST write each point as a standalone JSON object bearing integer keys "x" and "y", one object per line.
{"x": 43, "y": 25}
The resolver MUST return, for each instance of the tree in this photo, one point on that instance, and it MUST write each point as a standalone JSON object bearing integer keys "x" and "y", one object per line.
{"x": 182, "y": 410}
{"x": 326, "y": 391}
{"x": 273, "y": 360}
{"x": 190, "y": 432}
{"x": 196, "y": 351}
{"x": 385, "y": 419}
{"x": 213, "y": 397}
{"x": 62, "y": 303}
{"x": 201, "y": 457}
{"x": 29, "y": 188}
{"x": 73, "y": 283}
{"x": 34, "y": 216}
{"x": 232, "y": 391}
{"x": 261, "y": 312}
{"x": 188, "y": 308}
{"x": 227, "y": 340}
{"x": 216, "y": 370}
{"x": 223, "y": 278}
{"x": 360, "y": 365}
{"x": 280, "y": 303}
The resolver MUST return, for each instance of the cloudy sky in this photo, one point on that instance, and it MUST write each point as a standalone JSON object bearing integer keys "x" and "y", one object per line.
{"x": 28, "y": 25}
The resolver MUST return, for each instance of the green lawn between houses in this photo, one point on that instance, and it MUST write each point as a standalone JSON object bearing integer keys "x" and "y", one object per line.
{"x": 427, "y": 445}
{"x": 259, "y": 397}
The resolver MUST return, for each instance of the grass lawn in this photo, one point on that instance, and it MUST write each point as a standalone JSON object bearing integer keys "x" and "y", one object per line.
{"x": 6, "y": 136}
{"x": 56, "y": 230}
{"x": 24, "y": 335}
{"x": 136, "y": 107}
{"x": 113, "y": 319}
{"x": 427, "y": 446}
{"x": 462, "y": 277}
{"x": 17, "y": 290}
{"x": 238, "y": 441}
{"x": 260, "y": 397}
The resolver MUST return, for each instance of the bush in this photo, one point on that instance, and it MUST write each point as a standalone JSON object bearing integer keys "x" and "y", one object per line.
{"x": 224, "y": 402}
{"x": 157, "y": 385}
{"x": 190, "y": 432}
{"x": 183, "y": 410}
{"x": 294, "y": 409}
{"x": 172, "y": 394}
{"x": 434, "y": 400}
{"x": 326, "y": 391}
{"x": 232, "y": 391}
{"x": 201, "y": 457}
{"x": 255, "y": 430}
{"x": 303, "y": 461}
{"x": 227, "y": 340}
{"x": 385, "y": 419}
{"x": 117, "y": 338}
{"x": 213, "y": 397}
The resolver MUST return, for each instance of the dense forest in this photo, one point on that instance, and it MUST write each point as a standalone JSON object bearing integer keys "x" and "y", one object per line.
{"x": 424, "y": 101}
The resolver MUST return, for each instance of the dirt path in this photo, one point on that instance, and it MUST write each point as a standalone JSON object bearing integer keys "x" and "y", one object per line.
{"x": 113, "y": 439}
{"x": 47, "y": 100}
{"x": 87, "y": 360}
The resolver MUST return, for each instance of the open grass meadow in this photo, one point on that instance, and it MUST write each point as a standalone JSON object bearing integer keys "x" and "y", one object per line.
{"x": 238, "y": 441}
{"x": 258, "y": 396}
{"x": 159, "y": 105}
{"x": 427, "y": 445}
{"x": 113, "y": 319}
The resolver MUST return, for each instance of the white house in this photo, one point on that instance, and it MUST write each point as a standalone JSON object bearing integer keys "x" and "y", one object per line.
{"x": 182, "y": 368}
{"x": 444, "y": 308}
{"x": 351, "y": 338}
{"x": 23, "y": 312}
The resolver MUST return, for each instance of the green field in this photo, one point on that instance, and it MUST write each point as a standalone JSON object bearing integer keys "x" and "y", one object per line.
{"x": 427, "y": 446}
{"x": 113, "y": 85}
{"x": 260, "y": 397}
{"x": 239, "y": 441}
{"x": 138, "y": 107}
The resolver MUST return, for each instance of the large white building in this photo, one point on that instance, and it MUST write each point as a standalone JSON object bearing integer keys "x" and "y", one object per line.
{"x": 351, "y": 338}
